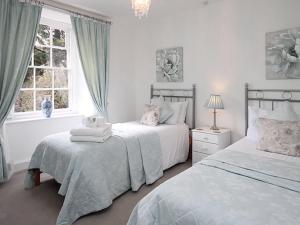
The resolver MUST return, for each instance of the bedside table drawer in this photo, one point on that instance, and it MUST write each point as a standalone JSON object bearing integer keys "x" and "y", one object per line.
{"x": 203, "y": 147}
{"x": 197, "y": 156}
{"x": 210, "y": 138}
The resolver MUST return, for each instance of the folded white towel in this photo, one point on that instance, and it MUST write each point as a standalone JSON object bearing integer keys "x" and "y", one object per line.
{"x": 95, "y": 132}
{"x": 90, "y": 138}
{"x": 93, "y": 121}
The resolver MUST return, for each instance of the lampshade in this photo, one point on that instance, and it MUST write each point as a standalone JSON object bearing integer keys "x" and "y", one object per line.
{"x": 215, "y": 102}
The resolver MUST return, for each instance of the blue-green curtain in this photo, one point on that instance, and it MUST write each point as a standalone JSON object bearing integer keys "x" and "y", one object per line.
{"x": 93, "y": 45}
{"x": 18, "y": 27}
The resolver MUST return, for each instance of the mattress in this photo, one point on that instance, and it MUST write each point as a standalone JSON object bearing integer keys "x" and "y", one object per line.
{"x": 174, "y": 140}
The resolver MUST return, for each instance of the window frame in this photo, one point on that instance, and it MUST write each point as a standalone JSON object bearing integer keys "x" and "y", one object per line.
{"x": 71, "y": 85}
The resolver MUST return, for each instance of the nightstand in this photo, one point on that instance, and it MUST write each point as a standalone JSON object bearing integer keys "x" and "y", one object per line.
{"x": 207, "y": 142}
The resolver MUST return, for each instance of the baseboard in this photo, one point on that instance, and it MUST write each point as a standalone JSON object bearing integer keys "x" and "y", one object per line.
{"x": 10, "y": 170}
{"x": 20, "y": 166}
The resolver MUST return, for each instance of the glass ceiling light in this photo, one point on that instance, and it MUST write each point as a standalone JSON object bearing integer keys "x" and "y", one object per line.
{"x": 141, "y": 7}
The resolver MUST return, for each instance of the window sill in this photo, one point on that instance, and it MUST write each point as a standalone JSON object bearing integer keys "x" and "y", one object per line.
{"x": 41, "y": 118}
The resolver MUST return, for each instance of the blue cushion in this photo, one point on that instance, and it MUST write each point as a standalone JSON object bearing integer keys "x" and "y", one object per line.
{"x": 165, "y": 110}
{"x": 165, "y": 113}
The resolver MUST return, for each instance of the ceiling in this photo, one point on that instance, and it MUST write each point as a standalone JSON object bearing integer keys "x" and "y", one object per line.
{"x": 122, "y": 8}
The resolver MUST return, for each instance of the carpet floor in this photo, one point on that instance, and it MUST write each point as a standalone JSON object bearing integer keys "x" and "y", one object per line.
{"x": 41, "y": 205}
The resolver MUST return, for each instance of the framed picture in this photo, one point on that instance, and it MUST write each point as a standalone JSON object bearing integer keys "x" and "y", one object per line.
{"x": 169, "y": 65}
{"x": 283, "y": 54}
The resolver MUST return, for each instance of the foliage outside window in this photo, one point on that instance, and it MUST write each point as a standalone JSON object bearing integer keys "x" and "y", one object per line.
{"x": 48, "y": 72}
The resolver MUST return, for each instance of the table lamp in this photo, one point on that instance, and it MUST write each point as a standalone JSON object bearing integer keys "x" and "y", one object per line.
{"x": 215, "y": 102}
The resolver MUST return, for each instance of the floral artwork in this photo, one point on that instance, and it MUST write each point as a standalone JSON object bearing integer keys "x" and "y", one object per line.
{"x": 283, "y": 54}
{"x": 169, "y": 65}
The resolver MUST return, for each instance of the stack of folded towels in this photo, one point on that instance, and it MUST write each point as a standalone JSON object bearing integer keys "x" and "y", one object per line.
{"x": 95, "y": 130}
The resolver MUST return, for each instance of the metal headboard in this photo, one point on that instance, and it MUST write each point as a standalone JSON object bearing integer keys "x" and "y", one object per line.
{"x": 286, "y": 95}
{"x": 173, "y": 95}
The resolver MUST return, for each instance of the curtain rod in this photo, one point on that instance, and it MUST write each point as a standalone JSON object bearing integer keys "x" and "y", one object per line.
{"x": 71, "y": 10}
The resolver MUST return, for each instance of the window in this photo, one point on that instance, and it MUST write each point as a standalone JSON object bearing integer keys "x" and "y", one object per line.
{"x": 48, "y": 72}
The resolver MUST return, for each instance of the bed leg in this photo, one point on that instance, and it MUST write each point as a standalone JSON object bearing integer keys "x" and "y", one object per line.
{"x": 37, "y": 177}
{"x": 190, "y": 146}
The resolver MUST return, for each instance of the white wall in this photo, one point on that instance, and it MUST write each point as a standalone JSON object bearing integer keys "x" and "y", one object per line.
{"x": 24, "y": 136}
{"x": 121, "y": 97}
{"x": 224, "y": 47}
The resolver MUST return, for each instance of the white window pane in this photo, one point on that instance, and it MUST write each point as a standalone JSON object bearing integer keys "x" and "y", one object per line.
{"x": 60, "y": 79}
{"x": 24, "y": 102}
{"x": 41, "y": 56}
{"x": 59, "y": 37}
{"x": 59, "y": 58}
{"x": 43, "y": 35}
{"x": 30, "y": 63}
{"x": 40, "y": 95}
{"x": 43, "y": 78}
{"x": 61, "y": 99}
{"x": 28, "y": 81}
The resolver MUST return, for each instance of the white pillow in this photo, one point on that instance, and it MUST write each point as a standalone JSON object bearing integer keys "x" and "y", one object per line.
{"x": 165, "y": 110}
{"x": 285, "y": 112}
{"x": 183, "y": 111}
{"x": 176, "y": 108}
{"x": 253, "y": 115}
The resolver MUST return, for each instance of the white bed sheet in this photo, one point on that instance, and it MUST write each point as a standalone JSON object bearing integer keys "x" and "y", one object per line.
{"x": 174, "y": 141}
{"x": 248, "y": 145}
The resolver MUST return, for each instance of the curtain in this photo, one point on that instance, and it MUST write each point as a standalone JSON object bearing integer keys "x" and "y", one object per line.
{"x": 93, "y": 46}
{"x": 18, "y": 27}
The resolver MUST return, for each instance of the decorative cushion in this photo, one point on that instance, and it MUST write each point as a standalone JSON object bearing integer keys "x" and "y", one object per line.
{"x": 151, "y": 115}
{"x": 165, "y": 113}
{"x": 284, "y": 112}
{"x": 281, "y": 137}
{"x": 165, "y": 110}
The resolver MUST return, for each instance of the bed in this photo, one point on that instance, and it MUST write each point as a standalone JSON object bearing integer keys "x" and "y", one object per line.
{"x": 239, "y": 185}
{"x": 92, "y": 175}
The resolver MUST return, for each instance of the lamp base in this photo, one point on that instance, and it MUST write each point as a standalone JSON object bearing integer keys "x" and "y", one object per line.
{"x": 215, "y": 128}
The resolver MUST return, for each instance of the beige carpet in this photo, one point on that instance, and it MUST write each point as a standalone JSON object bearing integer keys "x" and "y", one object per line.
{"x": 41, "y": 205}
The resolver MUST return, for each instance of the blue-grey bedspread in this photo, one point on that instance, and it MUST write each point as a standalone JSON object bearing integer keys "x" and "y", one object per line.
{"x": 93, "y": 174}
{"x": 228, "y": 188}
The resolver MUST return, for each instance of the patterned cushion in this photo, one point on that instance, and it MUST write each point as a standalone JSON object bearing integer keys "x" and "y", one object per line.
{"x": 151, "y": 115}
{"x": 281, "y": 137}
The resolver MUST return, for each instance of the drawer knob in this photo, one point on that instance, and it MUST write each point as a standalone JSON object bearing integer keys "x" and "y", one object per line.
{"x": 206, "y": 138}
